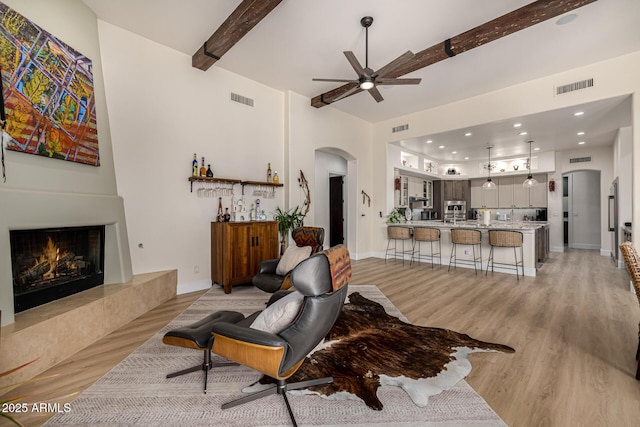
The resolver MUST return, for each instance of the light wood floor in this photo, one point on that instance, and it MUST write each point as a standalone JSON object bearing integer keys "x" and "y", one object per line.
{"x": 574, "y": 328}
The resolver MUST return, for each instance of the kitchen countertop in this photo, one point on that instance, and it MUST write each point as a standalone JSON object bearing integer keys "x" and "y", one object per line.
{"x": 517, "y": 225}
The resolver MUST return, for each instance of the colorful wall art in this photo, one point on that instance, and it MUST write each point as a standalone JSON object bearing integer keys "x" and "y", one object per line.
{"x": 48, "y": 93}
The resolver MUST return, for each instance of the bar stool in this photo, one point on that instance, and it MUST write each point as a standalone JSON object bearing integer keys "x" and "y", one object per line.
{"x": 397, "y": 233}
{"x": 506, "y": 239}
{"x": 461, "y": 236}
{"x": 426, "y": 234}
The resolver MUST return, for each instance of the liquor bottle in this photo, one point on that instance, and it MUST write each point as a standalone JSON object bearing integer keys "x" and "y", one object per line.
{"x": 269, "y": 173}
{"x": 203, "y": 171}
{"x": 220, "y": 217}
{"x": 209, "y": 171}
{"x": 194, "y": 165}
{"x": 227, "y": 215}
{"x": 276, "y": 180}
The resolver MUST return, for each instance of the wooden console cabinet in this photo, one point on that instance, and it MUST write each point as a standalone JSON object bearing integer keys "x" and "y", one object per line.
{"x": 237, "y": 249}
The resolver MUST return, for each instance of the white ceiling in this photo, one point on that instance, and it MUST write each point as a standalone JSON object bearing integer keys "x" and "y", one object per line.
{"x": 302, "y": 39}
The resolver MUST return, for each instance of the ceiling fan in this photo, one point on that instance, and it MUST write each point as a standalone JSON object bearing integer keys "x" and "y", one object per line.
{"x": 367, "y": 78}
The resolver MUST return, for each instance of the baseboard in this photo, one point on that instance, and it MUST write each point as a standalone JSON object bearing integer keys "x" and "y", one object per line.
{"x": 558, "y": 249}
{"x": 605, "y": 252}
{"x": 198, "y": 285}
{"x": 585, "y": 246}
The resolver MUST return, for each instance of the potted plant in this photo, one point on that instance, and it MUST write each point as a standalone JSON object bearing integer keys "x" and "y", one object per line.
{"x": 287, "y": 221}
{"x": 395, "y": 217}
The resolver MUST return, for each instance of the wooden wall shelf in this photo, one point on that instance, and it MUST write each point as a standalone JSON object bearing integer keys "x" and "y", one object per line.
{"x": 232, "y": 181}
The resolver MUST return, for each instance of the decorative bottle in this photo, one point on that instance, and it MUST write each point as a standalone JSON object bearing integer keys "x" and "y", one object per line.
{"x": 209, "y": 171}
{"x": 275, "y": 177}
{"x": 203, "y": 171}
{"x": 269, "y": 178}
{"x": 194, "y": 165}
{"x": 220, "y": 217}
{"x": 227, "y": 215}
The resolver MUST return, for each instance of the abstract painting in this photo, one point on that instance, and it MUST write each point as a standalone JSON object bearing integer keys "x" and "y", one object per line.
{"x": 48, "y": 93}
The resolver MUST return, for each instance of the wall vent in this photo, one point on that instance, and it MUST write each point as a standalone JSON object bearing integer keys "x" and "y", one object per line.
{"x": 580, "y": 159}
{"x": 571, "y": 87}
{"x": 241, "y": 99}
{"x": 399, "y": 128}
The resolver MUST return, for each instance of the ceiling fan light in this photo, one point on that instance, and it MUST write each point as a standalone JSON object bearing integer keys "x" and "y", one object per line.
{"x": 489, "y": 184}
{"x": 366, "y": 85}
{"x": 530, "y": 182}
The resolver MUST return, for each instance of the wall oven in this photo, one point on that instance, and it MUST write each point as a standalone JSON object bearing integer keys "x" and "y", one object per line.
{"x": 455, "y": 210}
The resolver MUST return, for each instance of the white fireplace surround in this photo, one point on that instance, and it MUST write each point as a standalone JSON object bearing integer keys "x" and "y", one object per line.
{"x": 27, "y": 209}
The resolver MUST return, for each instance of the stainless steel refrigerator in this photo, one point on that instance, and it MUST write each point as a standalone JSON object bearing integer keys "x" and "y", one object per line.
{"x": 613, "y": 220}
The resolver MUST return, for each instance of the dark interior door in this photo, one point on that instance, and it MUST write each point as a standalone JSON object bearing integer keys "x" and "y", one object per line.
{"x": 336, "y": 218}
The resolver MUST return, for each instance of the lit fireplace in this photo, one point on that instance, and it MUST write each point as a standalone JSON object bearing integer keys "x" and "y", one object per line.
{"x": 49, "y": 264}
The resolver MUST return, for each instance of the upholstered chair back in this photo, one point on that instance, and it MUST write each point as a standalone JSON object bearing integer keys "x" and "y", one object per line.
{"x": 323, "y": 280}
{"x": 309, "y": 236}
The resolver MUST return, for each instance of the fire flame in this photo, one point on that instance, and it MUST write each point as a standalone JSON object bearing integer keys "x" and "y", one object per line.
{"x": 51, "y": 254}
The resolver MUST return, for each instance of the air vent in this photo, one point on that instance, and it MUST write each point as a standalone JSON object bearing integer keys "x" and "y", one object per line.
{"x": 580, "y": 159}
{"x": 241, "y": 99}
{"x": 400, "y": 128}
{"x": 571, "y": 87}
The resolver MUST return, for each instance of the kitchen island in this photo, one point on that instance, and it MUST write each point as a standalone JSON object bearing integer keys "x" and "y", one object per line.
{"x": 501, "y": 255}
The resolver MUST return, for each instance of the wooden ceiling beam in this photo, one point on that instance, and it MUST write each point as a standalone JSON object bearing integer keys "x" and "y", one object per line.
{"x": 246, "y": 16}
{"x": 502, "y": 26}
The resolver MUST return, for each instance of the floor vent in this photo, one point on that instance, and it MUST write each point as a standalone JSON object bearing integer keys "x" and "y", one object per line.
{"x": 399, "y": 128}
{"x": 241, "y": 99}
{"x": 580, "y": 159}
{"x": 571, "y": 87}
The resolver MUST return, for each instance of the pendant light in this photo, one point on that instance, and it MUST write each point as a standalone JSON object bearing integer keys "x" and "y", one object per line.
{"x": 489, "y": 185}
{"x": 530, "y": 181}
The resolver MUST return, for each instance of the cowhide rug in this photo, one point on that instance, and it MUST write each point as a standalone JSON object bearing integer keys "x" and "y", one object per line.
{"x": 368, "y": 348}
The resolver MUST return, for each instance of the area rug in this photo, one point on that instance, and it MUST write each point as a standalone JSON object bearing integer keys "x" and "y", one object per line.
{"x": 136, "y": 392}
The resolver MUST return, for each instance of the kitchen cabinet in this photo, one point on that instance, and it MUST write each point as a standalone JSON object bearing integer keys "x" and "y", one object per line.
{"x": 456, "y": 190}
{"x": 538, "y": 194}
{"x": 542, "y": 244}
{"x": 481, "y": 198}
{"x": 511, "y": 193}
{"x": 237, "y": 249}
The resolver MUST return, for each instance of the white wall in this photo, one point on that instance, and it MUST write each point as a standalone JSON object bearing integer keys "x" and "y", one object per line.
{"x": 327, "y": 129}
{"x": 42, "y": 192}
{"x": 327, "y": 165}
{"x": 162, "y": 112}
{"x": 613, "y": 77}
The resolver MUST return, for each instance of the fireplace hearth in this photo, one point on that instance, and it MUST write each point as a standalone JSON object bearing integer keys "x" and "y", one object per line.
{"x": 49, "y": 264}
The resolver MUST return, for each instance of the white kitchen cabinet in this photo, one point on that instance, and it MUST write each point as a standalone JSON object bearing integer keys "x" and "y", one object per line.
{"x": 512, "y": 194}
{"x": 481, "y": 198}
{"x": 538, "y": 194}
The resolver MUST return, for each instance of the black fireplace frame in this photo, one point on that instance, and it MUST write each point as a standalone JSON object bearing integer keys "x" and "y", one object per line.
{"x": 28, "y": 300}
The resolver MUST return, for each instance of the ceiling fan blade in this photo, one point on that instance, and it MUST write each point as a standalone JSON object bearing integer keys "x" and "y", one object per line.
{"x": 398, "y": 81}
{"x": 376, "y": 94}
{"x": 349, "y": 92}
{"x": 354, "y": 63}
{"x": 400, "y": 60}
{"x": 336, "y": 80}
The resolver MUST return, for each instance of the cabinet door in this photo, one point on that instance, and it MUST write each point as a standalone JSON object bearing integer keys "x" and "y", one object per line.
{"x": 490, "y": 197}
{"x": 240, "y": 253}
{"x": 538, "y": 194}
{"x": 520, "y": 193}
{"x": 477, "y": 201}
{"x": 505, "y": 192}
{"x": 264, "y": 244}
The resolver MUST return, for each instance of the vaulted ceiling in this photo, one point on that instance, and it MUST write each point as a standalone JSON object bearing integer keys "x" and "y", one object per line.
{"x": 302, "y": 39}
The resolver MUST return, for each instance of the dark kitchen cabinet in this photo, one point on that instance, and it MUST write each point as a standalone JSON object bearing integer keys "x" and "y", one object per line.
{"x": 443, "y": 190}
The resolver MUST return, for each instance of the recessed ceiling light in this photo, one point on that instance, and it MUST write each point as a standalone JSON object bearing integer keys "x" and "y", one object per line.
{"x": 580, "y": 133}
{"x": 536, "y": 149}
{"x": 522, "y": 133}
{"x": 466, "y": 158}
{"x": 441, "y": 146}
{"x": 578, "y": 113}
{"x": 467, "y": 134}
{"x": 454, "y": 152}
{"x": 429, "y": 141}
{"x": 581, "y": 143}
{"x": 566, "y": 19}
{"x": 517, "y": 125}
